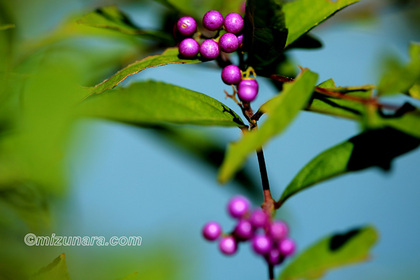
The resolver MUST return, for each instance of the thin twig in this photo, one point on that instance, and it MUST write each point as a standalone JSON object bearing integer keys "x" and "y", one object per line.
{"x": 268, "y": 205}
{"x": 263, "y": 170}
{"x": 337, "y": 94}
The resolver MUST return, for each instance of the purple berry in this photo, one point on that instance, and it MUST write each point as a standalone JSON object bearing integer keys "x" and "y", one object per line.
{"x": 278, "y": 230}
{"x": 287, "y": 247}
{"x": 231, "y": 74}
{"x": 213, "y": 20}
{"x": 240, "y": 39}
{"x": 261, "y": 244}
{"x": 274, "y": 257}
{"x": 238, "y": 206}
{"x": 209, "y": 49}
{"x": 186, "y": 26}
{"x": 228, "y": 42}
{"x": 259, "y": 219}
{"x": 234, "y": 23}
{"x": 248, "y": 90}
{"x": 243, "y": 230}
{"x": 212, "y": 231}
{"x": 227, "y": 245}
{"x": 188, "y": 48}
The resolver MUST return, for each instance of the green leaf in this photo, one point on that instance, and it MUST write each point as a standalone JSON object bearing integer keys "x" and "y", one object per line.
{"x": 148, "y": 103}
{"x": 132, "y": 276}
{"x": 303, "y": 15}
{"x": 57, "y": 270}
{"x": 306, "y": 41}
{"x": 265, "y": 32}
{"x": 69, "y": 32}
{"x": 371, "y": 148}
{"x": 6, "y": 26}
{"x": 24, "y": 202}
{"x": 405, "y": 120}
{"x": 34, "y": 148}
{"x": 110, "y": 17}
{"x": 229, "y": 6}
{"x": 399, "y": 78}
{"x": 332, "y": 252}
{"x": 170, "y": 56}
{"x": 281, "y": 110}
{"x": 197, "y": 8}
{"x": 414, "y": 91}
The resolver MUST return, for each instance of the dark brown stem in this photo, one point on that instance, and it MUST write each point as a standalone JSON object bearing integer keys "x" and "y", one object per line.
{"x": 257, "y": 115}
{"x": 337, "y": 94}
{"x": 263, "y": 170}
{"x": 278, "y": 204}
{"x": 268, "y": 205}
{"x": 365, "y": 101}
{"x": 271, "y": 272}
{"x": 248, "y": 113}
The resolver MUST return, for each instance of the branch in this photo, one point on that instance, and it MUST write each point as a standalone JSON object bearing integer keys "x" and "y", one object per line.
{"x": 372, "y": 101}
{"x": 268, "y": 205}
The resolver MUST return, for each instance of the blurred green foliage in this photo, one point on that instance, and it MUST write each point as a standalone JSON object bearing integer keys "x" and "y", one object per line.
{"x": 46, "y": 59}
{"x": 52, "y": 53}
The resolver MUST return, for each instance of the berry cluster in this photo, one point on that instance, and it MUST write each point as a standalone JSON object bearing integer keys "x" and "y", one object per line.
{"x": 268, "y": 238}
{"x": 210, "y": 48}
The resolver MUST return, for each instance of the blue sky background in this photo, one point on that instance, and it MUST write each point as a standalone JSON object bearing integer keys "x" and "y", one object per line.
{"x": 127, "y": 181}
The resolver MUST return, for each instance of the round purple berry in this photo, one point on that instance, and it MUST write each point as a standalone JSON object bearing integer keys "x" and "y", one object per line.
{"x": 287, "y": 247}
{"x": 234, "y": 23}
{"x": 231, "y": 75}
{"x": 238, "y": 206}
{"x": 259, "y": 219}
{"x": 248, "y": 90}
{"x": 278, "y": 230}
{"x": 274, "y": 257}
{"x": 188, "y": 48}
{"x": 228, "y": 42}
{"x": 227, "y": 245}
{"x": 213, "y": 20}
{"x": 186, "y": 26}
{"x": 261, "y": 244}
{"x": 209, "y": 49}
{"x": 212, "y": 231}
{"x": 243, "y": 230}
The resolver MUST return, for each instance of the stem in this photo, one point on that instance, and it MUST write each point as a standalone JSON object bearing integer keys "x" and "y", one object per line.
{"x": 271, "y": 272}
{"x": 268, "y": 205}
{"x": 337, "y": 94}
{"x": 263, "y": 170}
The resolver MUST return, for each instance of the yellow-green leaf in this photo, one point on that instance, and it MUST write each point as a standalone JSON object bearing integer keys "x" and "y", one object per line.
{"x": 110, "y": 17}
{"x": 150, "y": 102}
{"x": 6, "y": 26}
{"x": 57, "y": 270}
{"x": 303, "y": 15}
{"x": 332, "y": 252}
{"x": 170, "y": 56}
{"x": 400, "y": 78}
